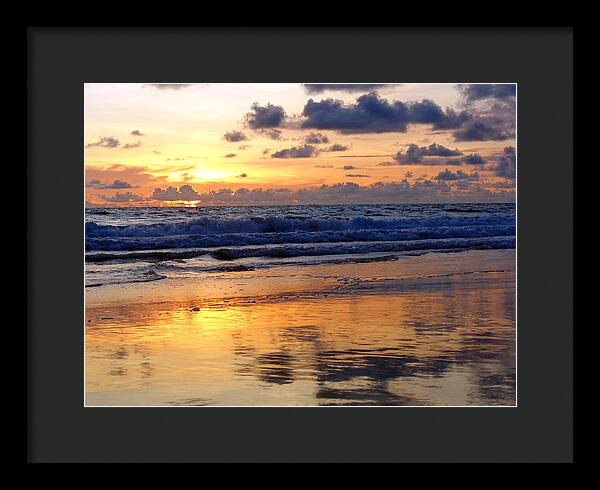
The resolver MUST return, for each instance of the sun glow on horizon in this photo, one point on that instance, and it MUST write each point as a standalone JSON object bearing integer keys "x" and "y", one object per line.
{"x": 270, "y": 137}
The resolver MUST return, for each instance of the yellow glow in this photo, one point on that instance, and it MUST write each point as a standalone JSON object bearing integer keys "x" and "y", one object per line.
{"x": 210, "y": 174}
{"x": 181, "y": 142}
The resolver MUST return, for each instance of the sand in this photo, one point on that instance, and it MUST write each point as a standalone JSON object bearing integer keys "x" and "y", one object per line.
{"x": 436, "y": 329}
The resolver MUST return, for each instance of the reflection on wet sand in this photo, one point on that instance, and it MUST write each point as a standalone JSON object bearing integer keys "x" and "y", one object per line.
{"x": 451, "y": 342}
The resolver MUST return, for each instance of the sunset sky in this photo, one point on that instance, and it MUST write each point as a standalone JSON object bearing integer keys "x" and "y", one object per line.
{"x": 245, "y": 144}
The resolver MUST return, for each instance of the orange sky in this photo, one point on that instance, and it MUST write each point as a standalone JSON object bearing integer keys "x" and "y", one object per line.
{"x": 140, "y": 137}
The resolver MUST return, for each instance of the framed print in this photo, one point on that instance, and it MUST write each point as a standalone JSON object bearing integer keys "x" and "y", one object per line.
{"x": 316, "y": 257}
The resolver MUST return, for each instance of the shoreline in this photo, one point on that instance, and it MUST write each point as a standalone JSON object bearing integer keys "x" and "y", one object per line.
{"x": 299, "y": 278}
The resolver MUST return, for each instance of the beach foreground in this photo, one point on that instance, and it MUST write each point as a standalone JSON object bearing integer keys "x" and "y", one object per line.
{"x": 433, "y": 329}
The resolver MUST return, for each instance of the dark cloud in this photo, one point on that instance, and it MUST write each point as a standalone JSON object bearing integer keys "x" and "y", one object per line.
{"x": 235, "y": 136}
{"x": 337, "y": 147}
{"x": 243, "y": 147}
{"x": 244, "y": 175}
{"x": 415, "y": 154}
{"x": 348, "y": 167}
{"x": 323, "y": 166}
{"x": 493, "y": 109}
{"x": 105, "y": 142}
{"x": 231, "y": 155}
{"x": 447, "y": 175}
{"x": 168, "y": 86}
{"x": 156, "y": 152}
{"x": 474, "y": 159}
{"x": 117, "y": 184}
{"x": 268, "y": 116}
{"x": 408, "y": 174}
{"x": 479, "y": 91}
{"x": 507, "y": 164}
{"x": 372, "y": 114}
{"x": 271, "y": 133}
{"x": 452, "y": 119}
{"x": 316, "y": 139}
{"x": 481, "y": 130}
{"x": 123, "y": 197}
{"x": 357, "y": 175}
{"x": 184, "y": 193}
{"x": 129, "y": 146}
{"x": 137, "y": 132}
{"x": 305, "y": 151}
{"x": 317, "y": 88}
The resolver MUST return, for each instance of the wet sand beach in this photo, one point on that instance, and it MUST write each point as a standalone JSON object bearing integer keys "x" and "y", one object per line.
{"x": 432, "y": 329}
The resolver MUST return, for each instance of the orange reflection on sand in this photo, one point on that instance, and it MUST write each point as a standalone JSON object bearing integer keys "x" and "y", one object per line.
{"x": 451, "y": 342}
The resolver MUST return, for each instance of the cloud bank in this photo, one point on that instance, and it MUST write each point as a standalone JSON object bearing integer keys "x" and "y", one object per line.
{"x": 425, "y": 191}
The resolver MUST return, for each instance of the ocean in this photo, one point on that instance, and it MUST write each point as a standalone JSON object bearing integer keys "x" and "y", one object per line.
{"x": 129, "y": 245}
{"x": 301, "y": 305}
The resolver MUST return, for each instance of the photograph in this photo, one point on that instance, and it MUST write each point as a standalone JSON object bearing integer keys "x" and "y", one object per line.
{"x": 305, "y": 244}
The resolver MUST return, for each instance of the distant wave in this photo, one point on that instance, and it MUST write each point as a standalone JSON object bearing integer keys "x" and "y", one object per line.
{"x": 298, "y": 250}
{"x": 294, "y": 231}
{"x": 211, "y": 226}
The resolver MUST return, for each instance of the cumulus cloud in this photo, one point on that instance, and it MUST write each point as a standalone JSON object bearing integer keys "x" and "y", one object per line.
{"x": 129, "y": 146}
{"x": 474, "y": 159}
{"x": 105, "y": 142}
{"x": 448, "y": 175}
{"x": 267, "y": 116}
{"x": 479, "y": 91}
{"x": 116, "y": 184}
{"x": 184, "y": 193}
{"x": 427, "y": 190}
{"x": 317, "y": 88}
{"x": 316, "y": 139}
{"x": 493, "y": 110}
{"x": 124, "y": 197}
{"x": 507, "y": 164}
{"x": 271, "y": 133}
{"x": 337, "y": 147}
{"x": 305, "y": 151}
{"x": 415, "y": 154}
{"x": 480, "y": 130}
{"x": 235, "y": 136}
{"x": 373, "y": 114}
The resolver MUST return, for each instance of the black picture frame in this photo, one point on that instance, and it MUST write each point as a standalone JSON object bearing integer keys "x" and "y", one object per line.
{"x": 60, "y": 429}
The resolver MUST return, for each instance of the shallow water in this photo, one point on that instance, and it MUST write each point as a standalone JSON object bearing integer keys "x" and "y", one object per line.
{"x": 436, "y": 330}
